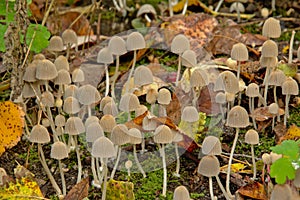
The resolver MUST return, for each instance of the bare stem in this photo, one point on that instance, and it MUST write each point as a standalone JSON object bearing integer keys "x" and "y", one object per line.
{"x": 137, "y": 161}
{"x": 63, "y": 181}
{"x": 253, "y": 162}
{"x": 164, "y": 169}
{"x": 116, "y": 163}
{"x": 211, "y": 191}
{"x": 78, "y": 159}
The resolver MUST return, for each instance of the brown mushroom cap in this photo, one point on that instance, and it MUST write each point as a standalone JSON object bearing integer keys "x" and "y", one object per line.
{"x": 142, "y": 76}
{"x": 237, "y": 117}
{"x": 252, "y": 90}
{"x": 251, "y": 137}
{"x": 239, "y": 52}
{"x": 55, "y": 44}
{"x": 181, "y": 193}
{"x": 190, "y": 114}
{"x": 69, "y": 37}
{"x": 220, "y": 98}
{"x": 269, "y": 49}
{"x": 119, "y": 135}
{"x": 71, "y": 105}
{"x": 63, "y": 78}
{"x": 149, "y": 124}
{"x": 39, "y": 134}
{"x": 47, "y": 99}
{"x": 151, "y": 95}
{"x": 180, "y": 43}
{"x": 140, "y": 110}
{"x": 237, "y": 6}
{"x": 266, "y": 158}
{"x": 45, "y": 70}
{"x": 135, "y": 41}
{"x": 199, "y": 78}
{"x": 129, "y": 102}
{"x": 209, "y": 166}
{"x": 268, "y": 61}
{"x": 164, "y": 96}
{"x": 281, "y": 192}
{"x": 117, "y": 46}
{"x": 146, "y": 8}
{"x": 59, "y": 150}
{"x": 111, "y": 109}
{"x": 103, "y": 148}
{"x": 290, "y": 86}
{"x": 60, "y": 120}
{"x": 28, "y": 92}
{"x": 104, "y": 101}
{"x": 78, "y": 75}
{"x": 88, "y": 94}
{"x": 61, "y": 62}
{"x": 228, "y": 82}
{"x": 271, "y": 28}
{"x": 74, "y": 126}
{"x": 29, "y": 74}
{"x": 277, "y": 77}
{"x": 135, "y": 136}
{"x": 273, "y": 108}
{"x": 91, "y": 119}
{"x": 93, "y": 132}
{"x": 107, "y": 122}
{"x": 71, "y": 91}
{"x": 211, "y": 145}
{"x": 163, "y": 135}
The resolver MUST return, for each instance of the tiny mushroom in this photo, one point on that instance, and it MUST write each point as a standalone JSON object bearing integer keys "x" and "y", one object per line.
{"x": 163, "y": 98}
{"x": 147, "y": 11}
{"x": 88, "y": 95}
{"x": 239, "y": 52}
{"x": 128, "y": 103}
{"x": 238, "y": 7}
{"x": 181, "y": 193}
{"x": 70, "y": 38}
{"x": 252, "y": 138}
{"x": 55, "y": 45}
{"x": 273, "y": 108}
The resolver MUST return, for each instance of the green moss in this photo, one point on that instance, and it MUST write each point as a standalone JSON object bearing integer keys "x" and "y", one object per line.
{"x": 294, "y": 116}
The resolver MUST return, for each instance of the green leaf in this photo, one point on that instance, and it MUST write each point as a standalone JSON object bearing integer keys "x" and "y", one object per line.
{"x": 40, "y": 41}
{"x": 10, "y": 14}
{"x": 2, "y": 32}
{"x": 282, "y": 169}
{"x": 288, "y": 148}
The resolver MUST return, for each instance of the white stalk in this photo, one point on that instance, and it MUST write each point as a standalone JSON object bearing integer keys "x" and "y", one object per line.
{"x": 164, "y": 169}
{"x": 106, "y": 80}
{"x": 222, "y": 188}
{"x": 253, "y": 162}
{"x": 131, "y": 70}
{"x": 286, "y": 112}
{"x": 177, "y": 161}
{"x": 291, "y": 47}
{"x": 78, "y": 159}
{"x": 178, "y": 70}
{"x": 105, "y": 179}
{"x": 63, "y": 181}
{"x": 137, "y": 161}
{"x": 116, "y": 163}
{"x": 211, "y": 188}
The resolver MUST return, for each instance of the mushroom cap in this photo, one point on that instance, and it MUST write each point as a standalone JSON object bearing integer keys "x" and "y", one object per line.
{"x": 268, "y": 61}
{"x": 55, "y": 44}
{"x": 228, "y": 82}
{"x": 237, "y": 6}
{"x": 45, "y": 122}
{"x": 290, "y": 86}
{"x": 163, "y": 135}
{"x": 189, "y": 58}
{"x": 220, "y": 98}
{"x": 119, "y": 135}
{"x": 129, "y": 102}
{"x": 199, "y": 78}
{"x": 230, "y": 97}
{"x": 60, "y": 120}
{"x": 63, "y": 78}
{"x": 27, "y": 91}
{"x": 149, "y": 124}
{"x": 108, "y": 122}
{"x": 128, "y": 164}
{"x": 266, "y": 158}
{"x": 74, "y": 126}
{"x": 29, "y": 74}
{"x": 105, "y": 56}
{"x": 181, "y": 193}
{"x": 39, "y": 134}
{"x": 180, "y": 43}
{"x": 277, "y": 77}
{"x": 211, "y": 145}
{"x": 61, "y": 62}
{"x": 135, "y": 136}
{"x": 111, "y": 109}
{"x": 104, "y": 101}
{"x": 264, "y": 12}
{"x": 135, "y": 41}
{"x": 71, "y": 105}
{"x": 273, "y": 108}
{"x": 269, "y": 49}
{"x": 237, "y": 117}
{"x": 140, "y": 110}
{"x": 45, "y": 70}
{"x": 239, "y": 52}
{"x": 88, "y": 94}
{"x": 39, "y": 56}
{"x": 164, "y": 96}
{"x": 275, "y": 156}
{"x": 271, "y": 28}
{"x": 252, "y": 90}
{"x": 93, "y": 132}
{"x": 151, "y": 95}
{"x": 59, "y": 150}
{"x": 103, "y": 148}
{"x": 69, "y": 37}
{"x": 117, "y": 46}
{"x": 177, "y": 136}
{"x": 47, "y": 99}
{"x": 91, "y": 119}
{"x": 78, "y": 75}
{"x": 252, "y": 137}
{"x": 190, "y": 114}
{"x": 71, "y": 91}
{"x": 142, "y": 76}
{"x": 281, "y": 192}
{"x": 209, "y": 166}
{"x": 146, "y": 8}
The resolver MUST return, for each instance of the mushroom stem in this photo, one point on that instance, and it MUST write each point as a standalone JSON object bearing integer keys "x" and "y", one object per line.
{"x": 171, "y": 8}
{"x": 89, "y": 110}
{"x": 137, "y": 161}
{"x": 114, "y": 78}
{"x": 164, "y": 170}
{"x": 230, "y": 162}
{"x": 147, "y": 18}
{"x": 178, "y": 70}
{"x": 253, "y": 162}
{"x": 78, "y": 158}
{"x": 222, "y": 112}
{"x": 211, "y": 188}
{"x": 222, "y": 188}
{"x": 275, "y": 95}
{"x": 238, "y": 17}
{"x": 219, "y": 5}
{"x": 63, "y": 181}
{"x": 45, "y": 166}
{"x": 185, "y": 7}
{"x": 106, "y": 80}
{"x": 291, "y": 47}
{"x": 116, "y": 163}
{"x": 273, "y": 122}
{"x": 266, "y": 82}
{"x": 286, "y": 112}
{"x": 131, "y": 70}
{"x": 96, "y": 181}
{"x": 117, "y": 6}
{"x": 177, "y": 161}
{"x": 105, "y": 178}
{"x": 100, "y": 176}
{"x": 50, "y": 117}
{"x": 238, "y": 62}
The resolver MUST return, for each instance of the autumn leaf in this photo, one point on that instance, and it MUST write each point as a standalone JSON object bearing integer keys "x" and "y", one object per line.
{"x": 236, "y": 168}
{"x": 293, "y": 133}
{"x": 119, "y": 190}
{"x": 11, "y": 125}
{"x": 79, "y": 191}
{"x": 254, "y": 190}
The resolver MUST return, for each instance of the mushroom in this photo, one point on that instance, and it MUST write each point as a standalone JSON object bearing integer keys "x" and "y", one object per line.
{"x": 239, "y": 52}
{"x": 238, "y": 7}
{"x": 88, "y": 95}
{"x": 281, "y": 192}
{"x": 237, "y": 118}
{"x": 111, "y": 109}
{"x": 181, "y": 193}
{"x": 78, "y": 76}
{"x": 71, "y": 90}
{"x": 61, "y": 62}
{"x": 63, "y": 78}
{"x": 142, "y": 76}
{"x": 163, "y": 98}
{"x": 128, "y": 103}
{"x": 221, "y": 100}
{"x": 105, "y": 56}
{"x": 146, "y": 10}
{"x": 252, "y": 138}
{"x": 271, "y": 28}
{"x": 59, "y": 151}
{"x": 90, "y": 120}
{"x": 107, "y": 123}
{"x": 289, "y": 87}
{"x": 55, "y": 45}
{"x": 277, "y": 77}
{"x": 71, "y": 106}
{"x": 70, "y": 38}
{"x": 252, "y": 91}
{"x": 128, "y": 165}
{"x": 296, "y": 181}
{"x": 151, "y": 97}
{"x": 180, "y": 43}
{"x": 163, "y": 135}
{"x": 178, "y": 137}
{"x": 211, "y": 146}
{"x": 273, "y": 108}
{"x": 198, "y": 79}
{"x": 190, "y": 115}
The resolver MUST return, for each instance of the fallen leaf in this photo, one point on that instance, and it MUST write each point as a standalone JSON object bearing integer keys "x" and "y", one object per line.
{"x": 262, "y": 114}
{"x": 119, "y": 190}
{"x": 179, "y": 6}
{"x": 236, "y": 168}
{"x": 79, "y": 191}
{"x": 293, "y": 133}
{"x": 254, "y": 190}
{"x": 11, "y": 125}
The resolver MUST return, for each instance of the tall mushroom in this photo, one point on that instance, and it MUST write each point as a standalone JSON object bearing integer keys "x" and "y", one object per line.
{"x": 128, "y": 103}
{"x": 239, "y": 52}
{"x": 252, "y": 91}
{"x": 70, "y": 38}
{"x": 252, "y": 138}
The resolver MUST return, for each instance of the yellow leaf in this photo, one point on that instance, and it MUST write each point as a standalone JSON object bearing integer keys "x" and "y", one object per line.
{"x": 11, "y": 125}
{"x": 179, "y": 6}
{"x": 235, "y": 168}
{"x": 293, "y": 133}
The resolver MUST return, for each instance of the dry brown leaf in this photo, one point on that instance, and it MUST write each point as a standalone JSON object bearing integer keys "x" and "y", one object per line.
{"x": 293, "y": 133}
{"x": 79, "y": 191}
{"x": 254, "y": 190}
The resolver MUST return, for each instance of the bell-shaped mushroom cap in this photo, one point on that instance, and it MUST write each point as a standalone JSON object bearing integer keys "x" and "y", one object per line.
{"x": 93, "y": 132}
{"x": 177, "y": 136}
{"x": 63, "y": 78}
{"x": 105, "y": 56}
{"x": 129, "y": 102}
{"x": 266, "y": 158}
{"x": 277, "y": 77}
{"x": 268, "y": 61}
{"x": 239, "y": 52}
{"x": 190, "y": 114}
{"x": 149, "y": 124}
{"x": 296, "y": 181}
{"x": 209, "y": 166}
{"x": 111, "y": 109}
{"x": 104, "y": 101}
{"x": 146, "y": 8}
{"x": 47, "y": 99}
{"x": 103, "y": 148}
{"x": 55, "y": 44}
{"x": 61, "y": 62}
{"x": 281, "y": 192}
{"x": 164, "y": 96}
{"x": 181, "y": 193}
{"x": 163, "y": 135}
{"x": 135, "y": 136}
{"x": 237, "y": 6}
{"x": 74, "y": 126}
{"x": 71, "y": 105}
{"x": 108, "y": 122}
{"x": 290, "y": 86}
{"x": 45, "y": 122}
{"x": 199, "y": 78}
{"x": 151, "y": 95}
{"x": 3, "y": 176}
{"x": 252, "y": 90}
{"x": 271, "y": 28}
{"x": 180, "y": 43}
{"x": 128, "y": 164}
{"x": 45, "y": 70}
{"x": 39, "y": 134}
{"x": 238, "y": 117}
{"x": 39, "y": 57}
{"x": 220, "y": 98}
{"x": 119, "y": 135}
{"x": 142, "y": 76}
{"x": 275, "y": 156}
{"x": 228, "y": 82}
{"x": 269, "y": 49}
{"x": 69, "y": 37}
{"x": 229, "y": 96}
{"x": 251, "y": 137}
{"x": 273, "y": 108}
{"x": 60, "y": 120}
{"x": 88, "y": 94}
{"x": 189, "y": 58}
{"x": 211, "y": 145}
{"x": 59, "y": 150}
{"x": 71, "y": 91}
{"x": 140, "y": 110}
{"x": 27, "y": 91}
{"x": 91, "y": 119}
{"x": 29, "y": 74}
{"x": 135, "y": 41}
{"x": 117, "y": 46}
{"x": 78, "y": 75}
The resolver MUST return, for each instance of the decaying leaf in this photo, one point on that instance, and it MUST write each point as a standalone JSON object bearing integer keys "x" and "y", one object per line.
{"x": 179, "y": 6}
{"x": 79, "y": 191}
{"x": 11, "y": 125}
{"x": 119, "y": 190}
{"x": 254, "y": 190}
{"x": 262, "y": 114}
{"x": 236, "y": 168}
{"x": 293, "y": 133}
